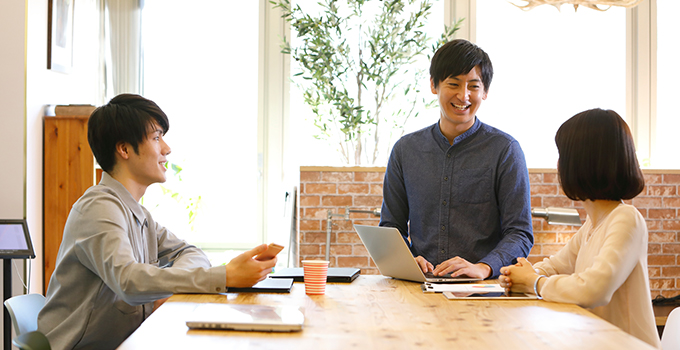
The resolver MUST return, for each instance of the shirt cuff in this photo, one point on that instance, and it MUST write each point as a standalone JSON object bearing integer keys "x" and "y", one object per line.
{"x": 494, "y": 264}
{"x": 218, "y": 279}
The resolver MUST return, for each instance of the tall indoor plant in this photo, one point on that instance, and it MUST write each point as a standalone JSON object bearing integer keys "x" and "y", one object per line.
{"x": 357, "y": 69}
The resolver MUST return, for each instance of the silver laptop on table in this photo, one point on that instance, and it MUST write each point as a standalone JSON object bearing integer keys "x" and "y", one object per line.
{"x": 246, "y": 317}
{"x": 394, "y": 258}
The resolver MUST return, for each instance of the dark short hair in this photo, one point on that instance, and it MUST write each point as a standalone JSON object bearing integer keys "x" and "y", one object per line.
{"x": 458, "y": 57}
{"x": 597, "y": 157}
{"x": 126, "y": 118}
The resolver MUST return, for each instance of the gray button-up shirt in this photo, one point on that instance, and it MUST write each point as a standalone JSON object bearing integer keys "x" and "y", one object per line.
{"x": 470, "y": 199}
{"x": 114, "y": 261}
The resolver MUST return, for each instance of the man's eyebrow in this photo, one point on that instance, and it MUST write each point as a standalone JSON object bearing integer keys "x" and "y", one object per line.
{"x": 458, "y": 79}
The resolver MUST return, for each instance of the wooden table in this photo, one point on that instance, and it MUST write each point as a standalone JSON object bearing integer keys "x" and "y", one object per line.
{"x": 376, "y": 312}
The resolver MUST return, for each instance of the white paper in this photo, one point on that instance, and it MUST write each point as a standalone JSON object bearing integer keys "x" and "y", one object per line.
{"x": 462, "y": 287}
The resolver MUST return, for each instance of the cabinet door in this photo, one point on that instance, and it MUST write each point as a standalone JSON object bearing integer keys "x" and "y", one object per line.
{"x": 68, "y": 170}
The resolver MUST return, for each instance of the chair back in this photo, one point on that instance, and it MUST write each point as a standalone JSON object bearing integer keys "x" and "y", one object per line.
{"x": 32, "y": 341}
{"x": 670, "y": 338}
{"x": 23, "y": 310}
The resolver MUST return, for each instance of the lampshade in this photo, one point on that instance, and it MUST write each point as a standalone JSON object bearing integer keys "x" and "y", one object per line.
{"x": 600, "y": 5}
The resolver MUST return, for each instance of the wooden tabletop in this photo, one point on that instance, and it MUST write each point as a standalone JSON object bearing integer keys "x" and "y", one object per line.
{"x": 376, "y": 312}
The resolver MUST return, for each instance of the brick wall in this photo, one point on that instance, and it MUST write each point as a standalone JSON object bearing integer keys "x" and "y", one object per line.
{"x": 324, "y": 188}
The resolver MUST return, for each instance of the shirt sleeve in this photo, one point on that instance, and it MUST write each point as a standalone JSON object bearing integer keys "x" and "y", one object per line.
{"x": 514, "y": 205}
{"x": 594, "y": 286}
{"x": 103, "y": 245}
{"x": 395, "y": 209}
{"x": 175, "y": 252}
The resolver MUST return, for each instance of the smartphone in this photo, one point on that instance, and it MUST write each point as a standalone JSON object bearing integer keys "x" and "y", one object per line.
{"x": 270, "y": 253}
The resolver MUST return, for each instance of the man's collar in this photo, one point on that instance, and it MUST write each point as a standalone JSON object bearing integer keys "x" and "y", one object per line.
{"x": 469, "y": 132}
{"x": 136, "y": 208}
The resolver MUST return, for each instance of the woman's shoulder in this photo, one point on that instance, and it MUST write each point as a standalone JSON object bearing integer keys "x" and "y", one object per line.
{"x": 628, "y": 215}
{"x": 627, "y": 210}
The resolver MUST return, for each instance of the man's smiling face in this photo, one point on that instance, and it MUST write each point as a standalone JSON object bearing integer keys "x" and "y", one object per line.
{"x": 459, "y": 98}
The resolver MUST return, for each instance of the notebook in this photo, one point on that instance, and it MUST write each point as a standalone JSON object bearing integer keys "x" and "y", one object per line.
{"x": 335, "y": 274}
{"x": 242, "y": 317}
{"x": 267, "y": 285}
{"x": 393, "y": 257}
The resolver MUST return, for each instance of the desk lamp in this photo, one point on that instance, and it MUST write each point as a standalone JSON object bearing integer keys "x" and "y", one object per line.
{"x": 557, "y": 216}
{"x": 329, "y": 224}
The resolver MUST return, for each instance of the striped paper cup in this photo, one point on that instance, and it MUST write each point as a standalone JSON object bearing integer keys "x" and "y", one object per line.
{"x": 315, "y": 276}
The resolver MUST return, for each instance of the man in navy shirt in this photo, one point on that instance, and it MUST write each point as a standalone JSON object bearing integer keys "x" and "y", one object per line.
{"x": 458, "y": 191}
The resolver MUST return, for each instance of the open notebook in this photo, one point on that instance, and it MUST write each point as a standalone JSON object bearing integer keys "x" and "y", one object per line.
{"x": 243, "y": 317}
{"x": 335, "y": 274}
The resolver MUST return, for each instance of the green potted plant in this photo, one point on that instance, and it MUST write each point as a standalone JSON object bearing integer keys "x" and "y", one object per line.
{"x": 357, "y": 69}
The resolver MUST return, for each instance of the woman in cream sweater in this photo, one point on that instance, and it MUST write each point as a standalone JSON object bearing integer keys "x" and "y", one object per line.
{"x": 604, "y": 266}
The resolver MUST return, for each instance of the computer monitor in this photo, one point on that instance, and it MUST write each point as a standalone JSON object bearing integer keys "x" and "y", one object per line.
{"x": 15, "y": 242}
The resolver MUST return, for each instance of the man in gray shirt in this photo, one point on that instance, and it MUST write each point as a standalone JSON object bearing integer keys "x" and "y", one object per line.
{"x": 115, "y": 263}
{"x": 458, "y": 191}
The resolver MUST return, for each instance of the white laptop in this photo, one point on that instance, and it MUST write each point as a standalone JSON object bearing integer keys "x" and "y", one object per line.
{"x": 245, "y": 317}
{"x": 394, "y": 258}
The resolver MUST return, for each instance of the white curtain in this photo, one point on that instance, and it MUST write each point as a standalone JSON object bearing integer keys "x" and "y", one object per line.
{"x": 123, "y": 49}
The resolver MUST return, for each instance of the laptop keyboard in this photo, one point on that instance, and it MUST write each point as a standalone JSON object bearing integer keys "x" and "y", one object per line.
{"x": 431, "y": 275}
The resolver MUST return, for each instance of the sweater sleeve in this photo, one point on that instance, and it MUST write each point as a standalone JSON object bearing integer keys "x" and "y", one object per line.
{"x": 564, "y": 260}
{"x": 610, "y": 266}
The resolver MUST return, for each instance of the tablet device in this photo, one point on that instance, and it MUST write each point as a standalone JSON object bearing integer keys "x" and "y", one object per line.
{"x": 335, "y": 274}
{"x": 488, "y": 295}
{"x": 243, "y": 317}
{"x": 15, "y": 241}
{"x": 267, "y": 285}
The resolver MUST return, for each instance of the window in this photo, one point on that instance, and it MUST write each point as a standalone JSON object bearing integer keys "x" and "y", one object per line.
{"x": 315, "y": 151}
{"x": 203, "y": 71}
{"x": 667, "y": 144}
{"x": 548, "y": 66}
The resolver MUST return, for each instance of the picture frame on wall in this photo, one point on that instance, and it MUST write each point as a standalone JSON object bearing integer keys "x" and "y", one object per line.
{"x": 60, "y": 35}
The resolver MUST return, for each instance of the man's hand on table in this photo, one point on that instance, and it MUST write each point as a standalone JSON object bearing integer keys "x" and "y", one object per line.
{"x": 458, "y": 266}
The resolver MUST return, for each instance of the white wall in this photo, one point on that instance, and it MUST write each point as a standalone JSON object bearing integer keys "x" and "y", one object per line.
{"x": 26, "y": 86}
{"x": 12, "y": 112}
{"x": 45, "y": 87}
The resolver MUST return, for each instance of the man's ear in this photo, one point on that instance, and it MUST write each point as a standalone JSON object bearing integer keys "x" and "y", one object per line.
{"x": 432, "y": 88}
{"x": 123, "y": 150}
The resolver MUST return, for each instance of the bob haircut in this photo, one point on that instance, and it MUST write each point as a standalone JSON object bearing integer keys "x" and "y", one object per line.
{"x": 597, "y": 157}
{"x": 126, "y": 118}
{"x": 458, "y": 57}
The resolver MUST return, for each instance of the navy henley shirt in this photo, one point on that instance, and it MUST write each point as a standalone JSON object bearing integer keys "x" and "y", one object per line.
{"x": 470, "y": 199}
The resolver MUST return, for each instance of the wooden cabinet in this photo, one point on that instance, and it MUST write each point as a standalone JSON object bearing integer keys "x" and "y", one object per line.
{"x": 68, "y": 170}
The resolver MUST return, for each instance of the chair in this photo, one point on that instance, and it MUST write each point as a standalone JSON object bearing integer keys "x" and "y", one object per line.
{"x": 670, "y": 338}
{"x": 32, "y": 341}
{"x": 23, "y": 310}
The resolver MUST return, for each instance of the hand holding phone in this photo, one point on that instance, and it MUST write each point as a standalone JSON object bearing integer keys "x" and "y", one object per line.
{"x": 270, "y": 253}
